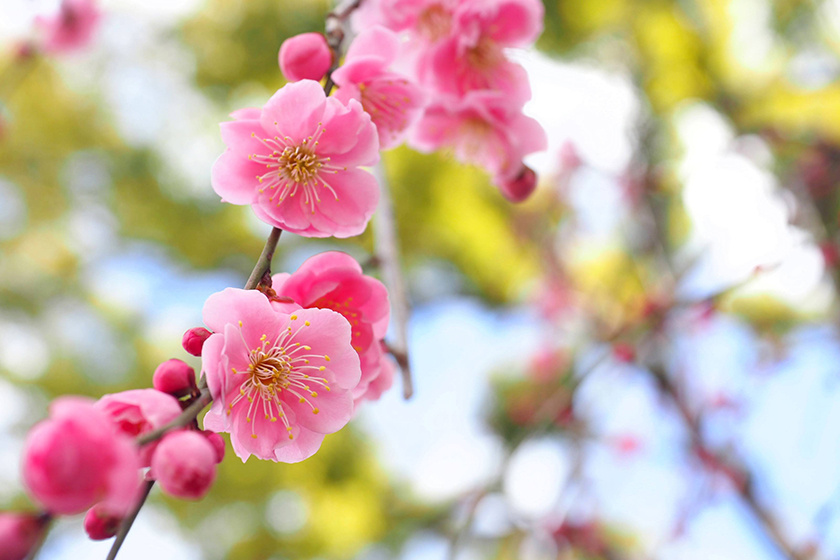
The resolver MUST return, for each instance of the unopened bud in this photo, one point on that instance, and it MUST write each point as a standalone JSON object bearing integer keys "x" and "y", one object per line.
{"x": 19, "y": 534}
{"x": 194, "y": 339}
{"x": 305, "y": 57}
{"x": 520, "y": 187}
{"x": 101, "y": 525}
{"x": 218, "y": 444}
{"x": 174, "y": 377}
{"x": 185, "y": 465}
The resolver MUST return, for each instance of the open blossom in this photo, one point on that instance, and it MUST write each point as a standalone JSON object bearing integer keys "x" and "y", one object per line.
{"x": 484, "y": 128}
{"x": 334, "y": 280}
{"x": 71, "y": 29}
{"x": 296, "y": 162}
{"x": 472, "y": 57}
{"x": 77, "y": 458}
{"x": 383, "y": 381}
{"x": 392, "y": 100}
{"x": 279, "y": 381}
{"x": 427, "y": 20}
{"x": 139, "y": 411}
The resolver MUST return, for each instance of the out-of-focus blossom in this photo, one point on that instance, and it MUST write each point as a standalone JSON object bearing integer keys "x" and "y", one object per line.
{"x": 548, "y": 364}
{"x": 184, "y": 464}
{"x": 305, "y": 57}
{"x": 279, "y": 381}
{"x": 383, "y": 381}
{"x": 427, "y": 20}
{"x": 296, "y": 162}
{"x": 140, "y": 411}
{"x": 100, "y": 524}
{"x": 393, "y": 101}
{"x": 77, "y": 458}
{"x": 472, "y": 57}
{"x": 334, "y": 280}
{"x": 71, "y": 29}
{"x": 19, "y": 534}
{"x": 484, "y": 128}
{"x": 193, "y": 340}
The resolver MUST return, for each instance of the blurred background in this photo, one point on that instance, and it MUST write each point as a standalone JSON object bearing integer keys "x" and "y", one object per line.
{"x": 640, "y": 362}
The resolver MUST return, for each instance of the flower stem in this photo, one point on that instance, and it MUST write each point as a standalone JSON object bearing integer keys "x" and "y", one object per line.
{"x": 125, "y": 527}
{"x": 262, "y": 270}
{"x": 184, "y": 419}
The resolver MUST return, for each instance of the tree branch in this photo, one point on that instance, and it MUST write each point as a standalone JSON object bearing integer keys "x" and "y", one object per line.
{"x": 125, "y": 526}
{"x": 387, "y": 254}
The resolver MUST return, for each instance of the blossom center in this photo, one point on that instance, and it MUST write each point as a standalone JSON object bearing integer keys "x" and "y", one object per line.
{"x": 276, "y": 371}
{"x": 485, "y": 55}
{"x": 434, "y": 22}
{"x": 294, "y": 167}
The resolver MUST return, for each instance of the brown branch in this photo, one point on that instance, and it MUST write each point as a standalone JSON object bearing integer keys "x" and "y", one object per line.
{"x": 183, "y": 420}
{"x": 387, "y": 254}
{"x": 125, "y": 526}
{"x": 738, "y": 473}
{"x": 262, "y": 270}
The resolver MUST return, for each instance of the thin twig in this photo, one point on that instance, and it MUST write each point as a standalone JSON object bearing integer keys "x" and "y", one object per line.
{"x": 45, "y": 519}
{"x": 262, "y": 270}
{"x": 184, "y": 419}
{"x": 387, "y": 253}
{"x": 125, "y": 527}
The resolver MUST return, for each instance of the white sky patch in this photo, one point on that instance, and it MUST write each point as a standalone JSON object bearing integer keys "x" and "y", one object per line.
{"x": 591, "y": 108}
{"x": 536, "y": 477}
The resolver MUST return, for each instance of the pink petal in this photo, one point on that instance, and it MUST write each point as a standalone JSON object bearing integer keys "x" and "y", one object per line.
{"x": 358, "y": 195}
{"x": 329, "y": 334}
{"x": 377, "y": 42}
{"x": 242, "y": 137}
{"x": 233, "y": 177}
{"x": 295, "y": 110}
{"x": 303, "y": 447}
{"x": 335, "y": 408}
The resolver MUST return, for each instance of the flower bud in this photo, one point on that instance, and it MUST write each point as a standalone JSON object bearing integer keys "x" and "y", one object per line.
{"x": 218, "y": 444}
{"x": 521, "y": 187}
{"x": 193, "y": 340}
{"x": 174, "y": 377}
{"x": 19, "y": 534}
{"x": 624, "y": 352}
{"x": 305, "y": 57}
{"x": 185, "y": 465}
{"x": 101, "y": 525}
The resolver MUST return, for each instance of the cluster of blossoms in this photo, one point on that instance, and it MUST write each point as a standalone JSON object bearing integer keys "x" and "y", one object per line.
{"x": 456, "y": 51}
{"x": 291, "y": 361}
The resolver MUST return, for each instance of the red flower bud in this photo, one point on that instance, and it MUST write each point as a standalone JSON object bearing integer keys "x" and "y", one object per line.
{"x": 193, "y": 340}
{"x": 185, "y": 465}
{"x": 521, "y": 187}
{"x": 19, "y": 534}
{"x": 174, "y": 377}
{"x": 218, "y": 444}
{"x": 101, "y": 525}
{"x": 624, "y": 352}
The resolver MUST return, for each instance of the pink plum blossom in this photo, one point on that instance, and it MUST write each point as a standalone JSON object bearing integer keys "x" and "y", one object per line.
{"x": 77, "y": 458}
{"x": 427, "y": 20}
{"x": 19, "y": 534}
{"x": 71, "y": 29}
{"x": 185, "y": 465}
{"x": 334, "y": 280}
{"x": 279, "y": 381}
{"x": 472, "y": 57}
{"x": 139, "y": 411}
{"x": 305, "y": 57}
{"x": 296, "y": 162}
{"x": 393, "y": 101}
{"x": 382, "y": 382}
{"x": 483, "y": 128}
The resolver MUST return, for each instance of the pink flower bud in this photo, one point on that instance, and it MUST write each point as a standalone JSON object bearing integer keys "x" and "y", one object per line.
{"x": 19, "y": 534}
{"x": 185, "y": 465}
{"x": 624, "y": 352}
{"x": 174, "y": 377}
{"x": 218, "y": 444}
{"x": 101, "y": 525}
{"x": 193, "y": 340}
{"x": 78, "y": 458}
{"x": 305, "y": 57}
{"x": 520, "y": 187}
